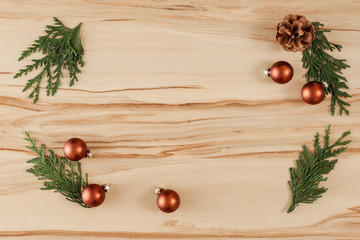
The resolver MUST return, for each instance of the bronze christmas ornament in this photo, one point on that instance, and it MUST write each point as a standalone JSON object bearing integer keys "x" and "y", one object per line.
{"x": 168, "y": 200}
{"x": 281, "y": 72}
{"x": 313, "y": 93}
{"x": 93, "y": 195}
{"x": 75, "y": 149}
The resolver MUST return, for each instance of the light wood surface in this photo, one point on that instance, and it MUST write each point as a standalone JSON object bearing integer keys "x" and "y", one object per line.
{"x": 171, "y": 94}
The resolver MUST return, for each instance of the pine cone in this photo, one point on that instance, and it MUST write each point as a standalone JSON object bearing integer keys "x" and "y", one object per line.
{"x": 295, "y": 33}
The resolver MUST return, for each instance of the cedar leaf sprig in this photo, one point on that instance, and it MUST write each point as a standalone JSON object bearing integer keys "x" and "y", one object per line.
{"x": 310, "y": 168}
{"x": 322, "y": 67}
{"x": 62, "y": 50}
{"x": 60, "y": 174}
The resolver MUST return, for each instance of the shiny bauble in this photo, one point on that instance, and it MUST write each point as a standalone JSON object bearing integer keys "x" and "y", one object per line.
{"x": 313, "y": 92}
{"x": 168, "y": 200}
{"x": 281, "y": 72}
{"x": 93, "y": 195}
{"x": 75, "y": 149}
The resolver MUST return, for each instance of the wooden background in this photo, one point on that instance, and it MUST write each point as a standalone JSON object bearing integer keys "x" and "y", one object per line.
{"x": 172, "y": 94}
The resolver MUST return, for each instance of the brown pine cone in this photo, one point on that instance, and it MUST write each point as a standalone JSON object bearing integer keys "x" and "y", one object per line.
{"x": 295, "y": 33}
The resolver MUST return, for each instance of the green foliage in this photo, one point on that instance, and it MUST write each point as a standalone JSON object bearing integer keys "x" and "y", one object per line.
{"x": 60, "y": 174}
{"x": 322, "y": 67}
{"x": 310, "y": 168}
{"x": 62, "y": 50}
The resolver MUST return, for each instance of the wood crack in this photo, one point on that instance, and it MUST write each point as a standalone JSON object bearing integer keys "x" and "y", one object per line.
{"x": 122, "y": 90}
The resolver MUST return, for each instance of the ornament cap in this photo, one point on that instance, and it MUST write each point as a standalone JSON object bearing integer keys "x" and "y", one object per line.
{"x": 158, "y": 190}
{"x": 267, "y": 72}
{"x": 88, "y": 154}
{"x": 325, "y": 84}
{"x": 106, "y": 187}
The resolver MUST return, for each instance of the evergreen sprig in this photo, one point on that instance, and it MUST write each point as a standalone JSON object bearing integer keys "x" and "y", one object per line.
{"x": 60, "y": 174}
{"x": 310, "y": 168}
{"x": 62, "y": 50}
{"x": 322, "y": 67}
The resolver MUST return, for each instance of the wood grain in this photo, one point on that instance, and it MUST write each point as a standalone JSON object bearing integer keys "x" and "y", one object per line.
{"x": 171, "y": 94}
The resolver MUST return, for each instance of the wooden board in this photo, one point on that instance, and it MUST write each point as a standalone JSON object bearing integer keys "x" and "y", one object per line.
{"x": 172, "y": 94}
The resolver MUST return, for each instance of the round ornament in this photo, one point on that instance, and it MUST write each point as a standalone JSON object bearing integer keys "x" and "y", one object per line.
{"x": 93, "y": 195}
{"x": 313, "y": 92}
{"x": 168, "y": 200}
{"x": 281, "y": 72}
{"x": 75, "y": 149}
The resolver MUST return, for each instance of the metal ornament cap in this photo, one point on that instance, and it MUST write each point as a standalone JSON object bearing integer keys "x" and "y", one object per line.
{"x": 159, "y": 190}
{"x": 106, "y": 187}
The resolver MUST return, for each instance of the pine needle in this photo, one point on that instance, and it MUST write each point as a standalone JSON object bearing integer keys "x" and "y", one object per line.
{"x": 60, "y": 175}
{"x": 310, "y": 168}
{"x": 62, "y": 50}
{"x": 322, "y": 67}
